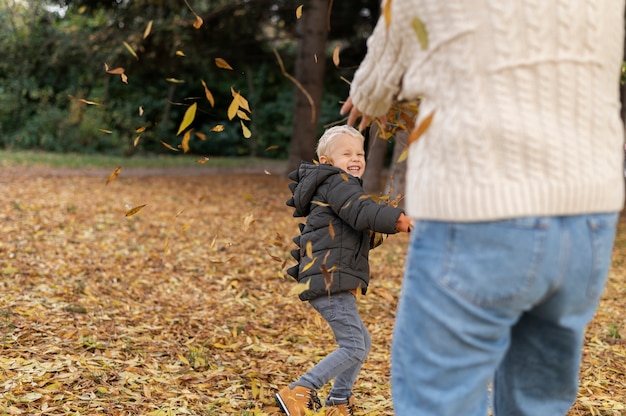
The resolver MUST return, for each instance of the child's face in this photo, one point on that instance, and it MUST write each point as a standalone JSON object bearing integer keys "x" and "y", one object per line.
{"x": 346, "y": 153}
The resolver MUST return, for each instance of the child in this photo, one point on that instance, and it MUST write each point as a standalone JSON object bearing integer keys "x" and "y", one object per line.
{"x": 333, "y": 263}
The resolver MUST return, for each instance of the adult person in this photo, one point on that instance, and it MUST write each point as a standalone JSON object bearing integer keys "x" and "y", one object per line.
{"x": 515, "y": 187}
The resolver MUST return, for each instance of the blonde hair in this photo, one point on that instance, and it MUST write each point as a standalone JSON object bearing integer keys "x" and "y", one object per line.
{"x": 325, "y": 142}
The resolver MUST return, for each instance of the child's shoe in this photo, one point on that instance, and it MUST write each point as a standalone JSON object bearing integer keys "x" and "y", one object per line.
{"x": 296, "y": 401}
{"x": 340, "y": 409}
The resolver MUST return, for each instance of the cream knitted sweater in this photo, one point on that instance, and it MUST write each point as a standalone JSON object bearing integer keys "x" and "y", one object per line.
{"x": 525, "y": 95}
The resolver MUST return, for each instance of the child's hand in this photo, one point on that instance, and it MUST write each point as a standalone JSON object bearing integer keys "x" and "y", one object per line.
{"x": 404, "y": 224}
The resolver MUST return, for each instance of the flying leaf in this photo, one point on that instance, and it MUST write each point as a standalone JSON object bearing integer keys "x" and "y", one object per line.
{"x": 420, "y": 30}
{"x": 300, "y": 287}
{"x": 190, "y": 115}
{"x": 320, "y": 203}
{"x": 403, "y": 156}
{"x": 114, "y": 71}
{"x": 246, "y": 131}
{"x": 124, "y": 78}
{"x": 331, "y": 230}
{"x": 131, "y": 50}
{"x": 221, "y": 63}
{"x": 387, "y": 12}
{"x": 240, "y": 99}
{"x": 136, "y": 141}
{"x": 197, "y": 24}
{"x": 242, "y": 115}
{"x": 141, "y": 129}
{"x": 309, "y": 249}
{"x": 175, "y": 80}
{"x": 169, "y": 146}
{"x": 247, "y": 221}
{"x": 180, "y": 53}
{"x": 134, "y": 210}
{"x": 344, "y": 176}
{"x": 423, "y": 126}
{"x": 232, "y": 109}
{"x": 148, "y": 29}
{"x": 336, "y": 55}
{"x": 114, "y": 174}
{"x": 185, "y": 142}
{"x": 105, "y": 131}
{"x": 299, "y": 12}
{"x": 309, "y": 265}
{"x": 82, "y": 100}
{"x": 218, "y": 128}
{"x": 208, "y": 94}
{"x": 273, "y": 147}
{"x": 140, "y": 111}
{"x": 203, "y": 160}
{"x": 201, "y": 136}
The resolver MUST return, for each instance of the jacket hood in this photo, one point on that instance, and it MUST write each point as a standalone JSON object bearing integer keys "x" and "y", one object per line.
{"x": 307, "y": 180}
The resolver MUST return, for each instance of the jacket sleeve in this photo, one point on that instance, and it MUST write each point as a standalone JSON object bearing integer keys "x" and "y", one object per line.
{"x": 378, "y": 80}
{"x": 350, "y": 202}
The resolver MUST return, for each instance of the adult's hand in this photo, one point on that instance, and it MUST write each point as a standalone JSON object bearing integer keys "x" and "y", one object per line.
{"x": 354, "y": 113}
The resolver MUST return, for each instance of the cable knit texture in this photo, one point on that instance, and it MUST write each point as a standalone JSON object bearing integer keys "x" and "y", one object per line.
{"x": 525, "y": 95}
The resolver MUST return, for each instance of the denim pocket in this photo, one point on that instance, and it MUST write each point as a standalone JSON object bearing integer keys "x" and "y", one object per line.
{"x": 601, "y": 235}
{"x": 493, "y": 262}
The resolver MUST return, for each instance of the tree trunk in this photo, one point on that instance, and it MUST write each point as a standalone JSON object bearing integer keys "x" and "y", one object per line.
{"x": 376, "y": 152}
{"x": 396, "y": 182}
{"x": 309, "y": 71}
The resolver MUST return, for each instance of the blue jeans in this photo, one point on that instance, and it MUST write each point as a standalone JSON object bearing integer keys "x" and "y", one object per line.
{"x": 506, "y": 301}
{"x": 343, "y": 364}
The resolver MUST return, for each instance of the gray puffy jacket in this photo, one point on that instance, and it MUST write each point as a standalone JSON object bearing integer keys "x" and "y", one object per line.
{"x": 334, "y": 244}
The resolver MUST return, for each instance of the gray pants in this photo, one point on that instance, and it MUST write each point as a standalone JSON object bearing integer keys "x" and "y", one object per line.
{"x": 343, "y": 364}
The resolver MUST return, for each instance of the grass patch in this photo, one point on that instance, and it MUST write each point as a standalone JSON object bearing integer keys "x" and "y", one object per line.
{"x": 29, "y": 158}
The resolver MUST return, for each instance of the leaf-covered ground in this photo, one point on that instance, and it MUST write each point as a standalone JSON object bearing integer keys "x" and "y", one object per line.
{"x": 183, "y": 307}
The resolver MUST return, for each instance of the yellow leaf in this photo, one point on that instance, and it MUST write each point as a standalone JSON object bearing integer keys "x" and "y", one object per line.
{"x": 190, "y": 115}
{"x": 201, "y": 136}
{"x": 140, "y": 110}
{"x": 299, "y": 12}
{"x": 169, "y": 146}
{"x": 403, "y": 156}
{"x": 114, "y": 174}
{"x": 273, "y": 147}
{"x": 175, "y": 81}
{"x": 124, "y": 78}
{"x": 131, "y": 50}
{"x": 218, "y": 128}
{"x": 241, "y": 101}
{"x": 423, "y": 126}
{"x": 180, "y": 53}
{"x": 167, "y": 247}
{"x": 233, "y": 108}
{"x": 136, "y": 141}
{"x": 141, "y": 129}
{"x": 203, "y": 160}
{"x": 420, "y": 30}
{"x": 300, "y": 287}
{"x": 320, "y": 203}
{"x": 387, "y": 12}
{"x": 197, "y": 24}
{"x": 106, "y": 131}
{"x": 336, "y": 55}
{"x": 148, "y": 29}
{"x": 246, "y": 131}
{"x": 309, "y": 249}
{"x": 221, "y": 63}
{"x": 309, "y": 265}
{"x": 331, "y": 230}
{"x": 82, "y": 100}
{"x": 344, "y": 176}
{"x": 208, "y": 94}
{"x": 185, "y": 141}
{"x": 247, "y": 221}
{"x": 242, "y": 115}
{"x": 134, "y": 210}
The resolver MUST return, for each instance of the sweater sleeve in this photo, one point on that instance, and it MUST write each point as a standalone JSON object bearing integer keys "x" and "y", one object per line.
{"x": 377, "y": 82}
